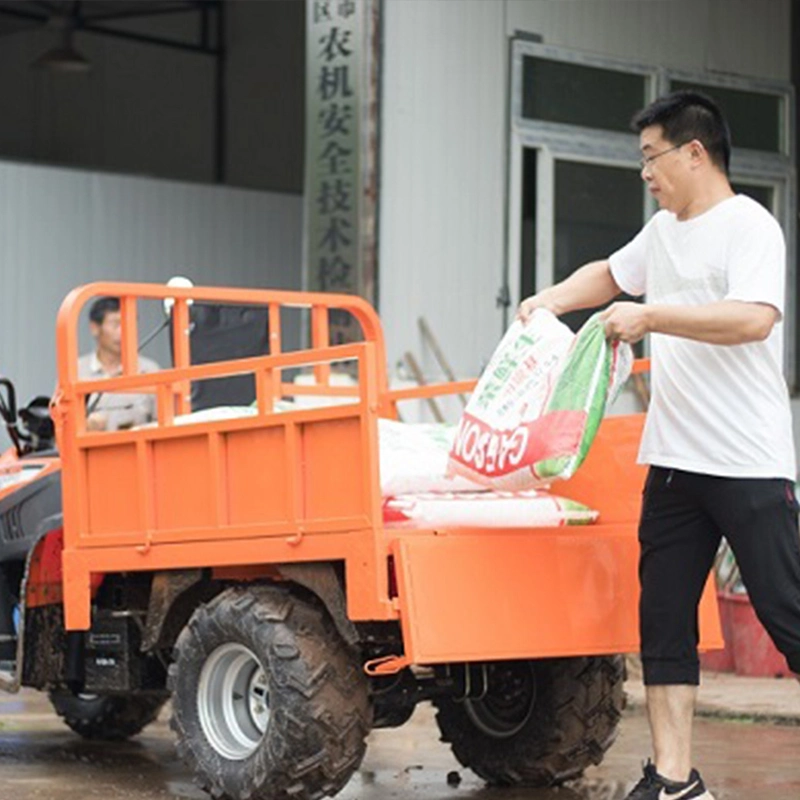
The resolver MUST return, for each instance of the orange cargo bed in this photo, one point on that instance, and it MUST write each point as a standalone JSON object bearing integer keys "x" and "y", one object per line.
{"x": 247, "y": 495}
{"x": 467, "y": 594}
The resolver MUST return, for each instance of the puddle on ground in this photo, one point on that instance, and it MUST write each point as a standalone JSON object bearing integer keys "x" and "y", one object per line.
{"x": 40, "y": 759}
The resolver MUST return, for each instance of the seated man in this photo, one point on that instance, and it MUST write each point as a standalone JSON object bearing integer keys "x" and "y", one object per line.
{"x": 111, "y": 411}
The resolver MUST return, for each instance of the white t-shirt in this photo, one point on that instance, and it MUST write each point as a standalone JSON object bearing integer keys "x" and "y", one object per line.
{"x": 122, "y": 409}
{"x": 715, "y": 409}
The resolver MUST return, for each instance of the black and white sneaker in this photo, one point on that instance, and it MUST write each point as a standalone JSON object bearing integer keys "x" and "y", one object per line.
{"x": 656, "y": 787}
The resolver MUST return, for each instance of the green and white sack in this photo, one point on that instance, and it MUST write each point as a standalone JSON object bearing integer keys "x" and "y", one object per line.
{"x": 537, "y": 407}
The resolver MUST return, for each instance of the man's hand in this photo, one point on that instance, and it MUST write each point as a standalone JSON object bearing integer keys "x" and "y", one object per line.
{"x": 543, "y": 299}
{"x": 627, "y": 321}
{"x": 589, "y": 286}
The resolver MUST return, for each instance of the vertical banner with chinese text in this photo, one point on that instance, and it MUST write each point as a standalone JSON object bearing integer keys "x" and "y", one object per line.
{"x": 341, "y": 148}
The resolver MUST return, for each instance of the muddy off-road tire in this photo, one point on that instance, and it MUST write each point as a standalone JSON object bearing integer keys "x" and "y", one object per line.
{"x": 110, "y": 718}
{"x": 540, "y": 723}
{"x": 268, "y": 702}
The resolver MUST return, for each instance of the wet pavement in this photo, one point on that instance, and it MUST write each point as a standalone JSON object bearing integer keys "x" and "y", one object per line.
{"x": 42, "y": 760}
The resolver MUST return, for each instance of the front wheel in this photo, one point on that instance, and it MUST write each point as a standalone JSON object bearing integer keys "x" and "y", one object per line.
{"x": 111, "y": 718}
{"x": 539, "y": 723}
{"x": 268, "y": 701}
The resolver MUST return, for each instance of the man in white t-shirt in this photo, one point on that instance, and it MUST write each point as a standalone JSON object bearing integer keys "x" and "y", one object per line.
{"x": 718, "y": 435}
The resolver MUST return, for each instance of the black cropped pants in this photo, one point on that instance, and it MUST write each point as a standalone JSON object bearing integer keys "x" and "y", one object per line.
{"x": 684, "y": 516}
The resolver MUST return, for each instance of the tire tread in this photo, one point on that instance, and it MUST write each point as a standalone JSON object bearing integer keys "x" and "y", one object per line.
{"x": 316, "y": 738}
{"x": 581, "y": 702}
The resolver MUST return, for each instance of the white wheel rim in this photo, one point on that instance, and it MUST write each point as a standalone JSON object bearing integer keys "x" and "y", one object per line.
{"x": 233, "y": 701}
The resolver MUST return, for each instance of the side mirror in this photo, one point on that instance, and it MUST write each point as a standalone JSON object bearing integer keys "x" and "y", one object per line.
{"x": 37, "y": 420}
{"x": 8, "y": 404}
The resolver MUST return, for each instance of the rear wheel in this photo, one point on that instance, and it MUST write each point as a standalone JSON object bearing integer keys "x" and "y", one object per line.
{"x": 268, "y": 701}
{"x": 539, "y": 723}
{"x": 106, "y": 717}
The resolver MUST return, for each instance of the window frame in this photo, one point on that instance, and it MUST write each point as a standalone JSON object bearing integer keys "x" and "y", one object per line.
{"x": 764, "y": 168}
{"x": 562, "y": 141}
{"x": 559, "y": 141}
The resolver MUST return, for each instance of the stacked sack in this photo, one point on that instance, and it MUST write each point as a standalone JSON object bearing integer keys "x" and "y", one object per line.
{"x": 531, "y": 420}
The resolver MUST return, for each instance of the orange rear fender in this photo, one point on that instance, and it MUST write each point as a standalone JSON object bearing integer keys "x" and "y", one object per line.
{"x": 44, "y": 581}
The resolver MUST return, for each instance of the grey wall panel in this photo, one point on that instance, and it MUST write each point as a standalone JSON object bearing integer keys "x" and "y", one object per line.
{"x": 751, "y": 38}
{"x": 60, "y": 228}
{"x": 444, "y": 140}
{"x": 743, "y": 37}
{"x": 443, "y": 145}
{"x": 266, "y": 94}
{"x": 150, "y": 110}
{"x": 141, "y": 109}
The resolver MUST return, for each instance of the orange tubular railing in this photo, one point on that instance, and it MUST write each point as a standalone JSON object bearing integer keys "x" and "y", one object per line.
{"x": 168, "y": 496}
{"x": 248, "y": 494}
{"x": 318, "y": 304}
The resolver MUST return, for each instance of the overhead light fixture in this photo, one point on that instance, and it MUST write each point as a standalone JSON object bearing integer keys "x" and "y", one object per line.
{"x": 64, "y": 57}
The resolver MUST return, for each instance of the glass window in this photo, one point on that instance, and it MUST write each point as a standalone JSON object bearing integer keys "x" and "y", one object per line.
{"x": 597, "y": 210}
{"x": 761, "y": 194}
{"x": 754, "y": 117}
{"x": 560, "y": 91}
{"x": 528, "y": 228}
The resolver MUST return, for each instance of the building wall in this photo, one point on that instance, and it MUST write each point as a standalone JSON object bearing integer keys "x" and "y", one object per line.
{"x": 741, "y": 37}
{"x": 442, "y": 178}
{"x": 150, "y": 110}
{"x": 60, "y": 228}
{"x": 445, "y": 135}
{"x": 266, "y": 94}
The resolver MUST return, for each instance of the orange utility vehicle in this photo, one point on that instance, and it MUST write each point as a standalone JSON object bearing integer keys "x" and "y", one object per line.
{"x": 241, "y": 566}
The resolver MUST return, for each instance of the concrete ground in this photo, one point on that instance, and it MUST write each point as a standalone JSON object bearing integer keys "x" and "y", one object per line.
{"x": 741, "y": 757}
{"x": 732, "y": 696}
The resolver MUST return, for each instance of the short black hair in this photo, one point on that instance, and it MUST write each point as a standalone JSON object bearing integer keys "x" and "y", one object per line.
{"x": 101, "y": 307}
{"x": 687, "y": 115}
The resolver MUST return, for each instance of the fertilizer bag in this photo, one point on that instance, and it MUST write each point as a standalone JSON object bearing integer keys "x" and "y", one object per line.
{"x": 589, "y": 380}
{"x": 537, "y": 407}
{"x": 534, "y": 508}
{"x": 413, "y": 458}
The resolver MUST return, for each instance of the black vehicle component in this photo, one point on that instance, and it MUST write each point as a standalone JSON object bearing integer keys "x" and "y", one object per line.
{"x": 8, "y": 410}
{"x": 535, "y": 723}
{"x": 39, "y": 424}
{"x": 300, "y": 710}
{"x": 45, "y": 647}
{"x": 113, "y": 661}
{"x": 174, "y": 595}
{"x": 108, "y": 718}
{"x": 22, "y": 513}
{"x": 8, "y": 632}
{"x": 223, "y": 332}
{"x": 37, "y": 433}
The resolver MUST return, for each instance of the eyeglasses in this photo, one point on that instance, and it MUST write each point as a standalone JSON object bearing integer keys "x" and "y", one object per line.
{"x": 648, "y": 160}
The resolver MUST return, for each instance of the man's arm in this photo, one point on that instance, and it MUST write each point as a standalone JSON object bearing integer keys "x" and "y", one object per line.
{"x": 726, "y": 322}
{"x": 591, "y": 285}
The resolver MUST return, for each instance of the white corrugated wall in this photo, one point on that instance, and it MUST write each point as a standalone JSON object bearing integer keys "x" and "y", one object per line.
{"x": 444, "y": 140}
{"x": 60, "y": 228}
{"x": 742, "y": 37}
{"x": 442, "y": 194}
